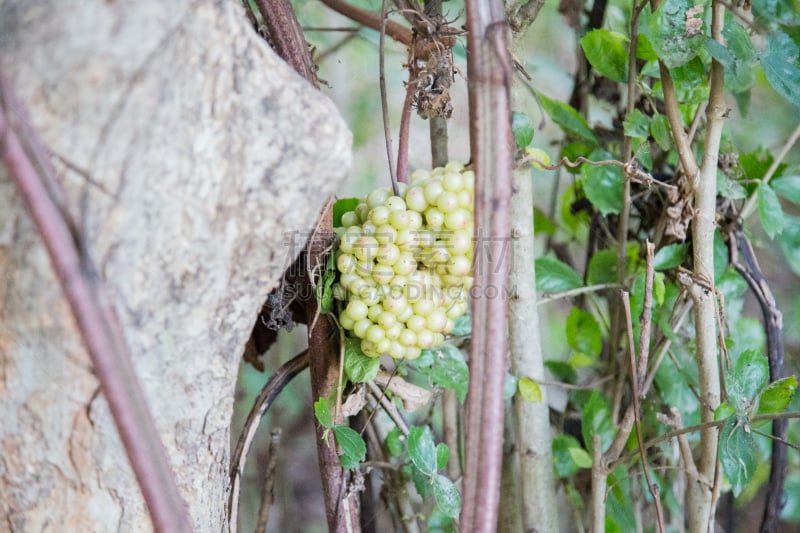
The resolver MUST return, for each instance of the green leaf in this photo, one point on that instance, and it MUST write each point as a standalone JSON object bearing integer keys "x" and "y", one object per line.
{"x": 562, "y": 371}
{"x": 422, "y": 450}
{"x": 447, "y": 498}
{"x": 749, "y": 375}
{"x": 342, "y": 206}
{"x": 789, "y": 240}
{"x": 659, "y": 288}
{"x": 666, "y": 29}
{"x": 523, "y": 128}
{"x": 529, "y": 390}
{"x": 603, "y": 184}
{"x": 581, "y": 360}
{"x": 596, "y": 420}
{"x": 395, "y": 442}
{"x": 567, "y": 458}
{"x": 322, "y": 410}
{"x": 580, "y": 457}
{"x": 776, "y": 397}
{"x": 554, "y": 276}
{"x": 358, "y": 367}
{"x": 737, "y": 454}
{"x": 602, "y": 267}
{"x": 442, "y": 455}
{"x": 607, "y": 52}
{"x": 354, "y": 450}
{"x": 670, "y": 256}
{"x": 723, "y": 411}
{"x": 542, "y": 223}
{"x": 659, "y": 129}
{"x": 569, "y": 119}
{"x": 769, "y": 210}
{"x": 463, "y": 326}
{"x": 637, "y": 125}
{"x": 780, "y": 64}
{"x": 450, "y": 370}
{"x": 583, "y": 333}
{"x": 788, "y": 187}
{"x": 644, "y": 49}
{"x": 738, "y": 56}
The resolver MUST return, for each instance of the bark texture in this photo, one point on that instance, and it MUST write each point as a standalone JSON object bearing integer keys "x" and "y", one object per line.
{"x": 187, "y": 152}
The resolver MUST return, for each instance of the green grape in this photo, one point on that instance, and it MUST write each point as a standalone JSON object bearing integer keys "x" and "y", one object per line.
{"x": 414, "y": 220}
{"x": 453, "y": 182}
{"x": 408, "y": 337}
{"x": 374, "y": 312}
{"x": 350, "y": 219}
{"x": 357, "y": 310}
{"x": 412, "y": 352}
{"x": 383, "y": 346}
{"x": 382, "y": 274}
{"x": 457, "y": 219}
{"x": 395, "y": 203}
{"x": 415, "y": 199}
{"x": 368, "y": 228}
{"x": 397, "y": 350}
{"x": 399, "y": 219}
{"x": 418, "y": 175}
{"x": 432, "y": 191}
{"x": 377, "y": 197}
{"x": 346, "y": 263}
{"x": 361, "y": 326}
{"x": 375, "y": 333}
{"x": 365, "y": 248}
{"x": 388, "y": 254}
{"x": 425, "y": 339}
{"x": 459, "y": 266}
{"x": 447, "y": 202}
{"x": 394, "y": 331}
{"x": 416, "y": 324}
{"x": 436, "y": 320}
{"x": 379, "y": 216}
{"x": 346, "y": 322}
{"x": 434, "y": 218}
{"x": 424, "y": 307}
{"x": 385, "y": 234}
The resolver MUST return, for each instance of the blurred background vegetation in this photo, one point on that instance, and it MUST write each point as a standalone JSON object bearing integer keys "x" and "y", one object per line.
{"x": 347, "y": 56}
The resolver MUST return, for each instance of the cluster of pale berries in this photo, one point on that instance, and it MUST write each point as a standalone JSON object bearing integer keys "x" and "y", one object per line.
{"x": 405, "y": 262}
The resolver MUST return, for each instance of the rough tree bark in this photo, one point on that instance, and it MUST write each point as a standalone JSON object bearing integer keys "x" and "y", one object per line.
{"x": 187, "y": 152}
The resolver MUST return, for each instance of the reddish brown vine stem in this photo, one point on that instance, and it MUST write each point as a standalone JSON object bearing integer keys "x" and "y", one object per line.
{"x": 489, "y": 73}
{"x": 96, "y": 321}
{"x": 286, "y": 37}
{"x": 394, "y": 30}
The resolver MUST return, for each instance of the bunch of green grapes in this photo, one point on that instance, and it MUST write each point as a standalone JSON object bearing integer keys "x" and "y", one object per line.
{"x": 405, "y": 262}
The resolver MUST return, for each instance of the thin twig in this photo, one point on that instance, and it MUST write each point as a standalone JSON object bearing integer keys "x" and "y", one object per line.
{"x": 578, "y": 291}
{"x": 261, "y": 405}
{"x": 747, "y": 210}
{"x": 371, "y": 20}
{"x": 387, "y": 134}
{"x": 405, "y": 127}
{"x": 96, "y": 320}
{"x": 636, "y": 377}
{"x": 388, "y": 407}
{"x": 267, "y": 494}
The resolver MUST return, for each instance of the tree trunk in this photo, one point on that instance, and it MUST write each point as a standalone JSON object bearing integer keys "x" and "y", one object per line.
{"x": 190, "y": 157}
